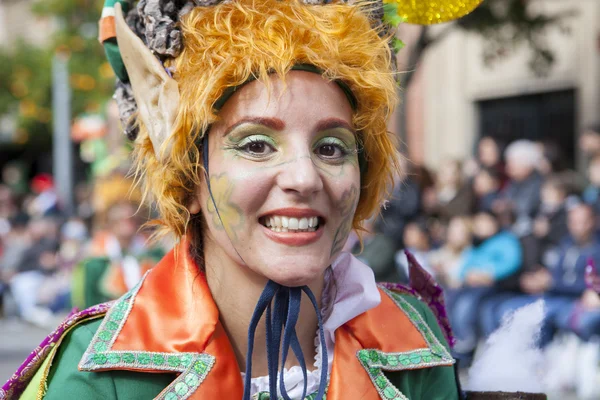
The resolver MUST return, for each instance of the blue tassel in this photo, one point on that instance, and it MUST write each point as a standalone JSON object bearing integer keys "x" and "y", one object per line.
{"x": 282, "y": 316}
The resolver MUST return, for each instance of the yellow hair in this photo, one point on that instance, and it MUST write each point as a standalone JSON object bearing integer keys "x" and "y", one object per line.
{"x": 226, "y": 44}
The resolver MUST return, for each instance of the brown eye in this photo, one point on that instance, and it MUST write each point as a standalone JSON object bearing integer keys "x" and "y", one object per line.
{"x": 257, "y": 147}
{"x": 329, "y": 151}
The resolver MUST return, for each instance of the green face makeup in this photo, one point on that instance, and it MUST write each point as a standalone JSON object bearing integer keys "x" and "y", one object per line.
{"x": 260, "y": 143}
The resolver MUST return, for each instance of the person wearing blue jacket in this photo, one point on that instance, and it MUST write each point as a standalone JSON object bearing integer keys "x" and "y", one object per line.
{"x": 494, "y": 255}
{"x": 561, "y": 284}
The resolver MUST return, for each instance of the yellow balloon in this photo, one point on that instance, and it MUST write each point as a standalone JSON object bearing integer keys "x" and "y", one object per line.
{"x": 428, "y": 12}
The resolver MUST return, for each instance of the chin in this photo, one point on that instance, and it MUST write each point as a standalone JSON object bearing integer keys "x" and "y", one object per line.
{"x": 297, "y": 271}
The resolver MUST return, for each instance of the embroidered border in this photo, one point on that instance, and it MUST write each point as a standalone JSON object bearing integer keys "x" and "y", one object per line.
{"x": 376, "y": 361}
{"x": 266, "y": 396}
{"x": 435, "y": 345}
{"x": 194, "y": 367}
{"x": 14, "y": 387}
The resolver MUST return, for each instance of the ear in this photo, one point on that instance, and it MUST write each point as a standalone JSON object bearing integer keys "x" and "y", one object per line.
{"x": 194, "y": 205}
{"x": 155, "y": 92}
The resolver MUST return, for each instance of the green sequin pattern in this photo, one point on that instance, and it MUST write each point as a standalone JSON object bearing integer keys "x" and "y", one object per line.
{"x": 193, "y": 367}
{"x": 267, "y": 396}
{"x": 376, "y": 361}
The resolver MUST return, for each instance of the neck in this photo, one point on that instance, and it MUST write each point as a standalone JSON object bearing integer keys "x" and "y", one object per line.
{"x": 236, "y": 289}
{"x": 584, "y": 240}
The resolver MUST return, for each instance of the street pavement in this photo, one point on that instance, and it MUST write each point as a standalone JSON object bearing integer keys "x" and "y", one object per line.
{"x": 18, "y": 339}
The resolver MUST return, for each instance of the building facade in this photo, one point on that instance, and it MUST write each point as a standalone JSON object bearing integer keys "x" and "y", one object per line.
{"x": 455, "y": 98}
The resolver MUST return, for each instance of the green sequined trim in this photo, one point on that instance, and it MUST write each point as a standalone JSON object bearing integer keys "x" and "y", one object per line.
{"x": 376, "y": 361}
{"x": 193, "y": 367}
{"x": 435, "y": 346}
{"x": 266, "y": 396}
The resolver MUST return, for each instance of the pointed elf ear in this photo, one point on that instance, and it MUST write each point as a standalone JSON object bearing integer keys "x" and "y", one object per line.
{"x": 155, "y": 92}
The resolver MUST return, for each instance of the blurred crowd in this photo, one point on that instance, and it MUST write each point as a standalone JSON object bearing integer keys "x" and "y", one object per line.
{"x": 45, "y": 267}
{"x": 499, "y": 231}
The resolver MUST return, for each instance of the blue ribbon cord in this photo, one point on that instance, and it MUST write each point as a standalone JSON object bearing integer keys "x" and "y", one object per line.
{"x": 282, "y": 316}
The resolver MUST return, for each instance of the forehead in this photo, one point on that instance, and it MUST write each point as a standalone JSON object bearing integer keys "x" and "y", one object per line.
{"x": 582, "y": 212}
{"x": 303, "y": 97}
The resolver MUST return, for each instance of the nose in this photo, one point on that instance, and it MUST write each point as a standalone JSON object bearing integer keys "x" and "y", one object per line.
{"x": 300, "y": 176}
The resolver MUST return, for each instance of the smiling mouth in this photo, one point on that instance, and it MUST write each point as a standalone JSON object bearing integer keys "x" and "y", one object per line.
{"x": 281, "y": 223}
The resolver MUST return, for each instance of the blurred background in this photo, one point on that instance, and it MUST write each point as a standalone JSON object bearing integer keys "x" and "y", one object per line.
{"x": 499, "y": 122}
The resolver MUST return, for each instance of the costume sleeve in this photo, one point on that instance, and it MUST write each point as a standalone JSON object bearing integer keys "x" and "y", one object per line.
{"x": 65, "y": 381}
{"x": 435, "y": 383}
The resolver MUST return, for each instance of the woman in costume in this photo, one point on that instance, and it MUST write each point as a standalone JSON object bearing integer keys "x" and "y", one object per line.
{"x": 260, "y": 132}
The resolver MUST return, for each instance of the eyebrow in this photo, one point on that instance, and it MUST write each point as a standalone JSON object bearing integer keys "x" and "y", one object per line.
{"x": 279, "y": 125}
{"x": 332, "y": 123}
{"x": 273, "y": 123}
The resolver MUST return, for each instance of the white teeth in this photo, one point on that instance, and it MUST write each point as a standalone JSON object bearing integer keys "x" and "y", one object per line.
{"x": 303, "y": 223}
{"x": 280, "y": 223}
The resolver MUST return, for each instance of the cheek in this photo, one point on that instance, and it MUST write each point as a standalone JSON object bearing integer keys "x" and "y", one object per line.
{"x": 344, "y": 187}
{"x": 237, "y": 194}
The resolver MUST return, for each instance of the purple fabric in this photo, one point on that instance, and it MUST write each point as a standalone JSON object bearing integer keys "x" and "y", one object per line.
{"x": 15, "y": 386}
{"x": 592, "y": 280}
{"x": 423, "y": 286}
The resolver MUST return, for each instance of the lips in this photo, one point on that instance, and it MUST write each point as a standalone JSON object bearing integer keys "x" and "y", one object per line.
{"x": 292, "y": 226}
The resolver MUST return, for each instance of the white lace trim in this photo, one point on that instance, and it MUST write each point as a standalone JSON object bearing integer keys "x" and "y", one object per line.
{"x": 355, "y": 292}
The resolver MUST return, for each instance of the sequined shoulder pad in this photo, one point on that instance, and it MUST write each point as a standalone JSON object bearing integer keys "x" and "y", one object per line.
{"x": 17, "y": 383}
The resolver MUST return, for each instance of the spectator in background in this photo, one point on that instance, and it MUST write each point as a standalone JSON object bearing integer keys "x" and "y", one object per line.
{"x": 522, "y": 195}
{"x": 488, "y": 156}
{"x": 38, "y": 262}
{"x": 591, "y": 195}
{"x": 447, "y": 260}
{"x": 452, "y": 196}
{"x": 553, "y": 160}
{"x": 418, "y": 242}
{"x": 550, "y": 224}
{"x": 562, "y": 283}
{"x": 404, "y": 205}
{"x": 589, "y": 141}
{"x": 7, "y": 204}
{"x": 486, "y": 188}
{"x": 495, "y": 255}
{"x": 549, "y": 229}
{"x": 16, "y": 242}
{"x": 45, "y": 202}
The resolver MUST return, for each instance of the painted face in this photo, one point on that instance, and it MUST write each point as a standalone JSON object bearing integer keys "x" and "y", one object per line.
{"x": 284, "y": 176}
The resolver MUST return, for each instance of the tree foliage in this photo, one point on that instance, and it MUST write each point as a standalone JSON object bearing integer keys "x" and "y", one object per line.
{"x": 506, "y": 25}
{"x": 26, "y": 69}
